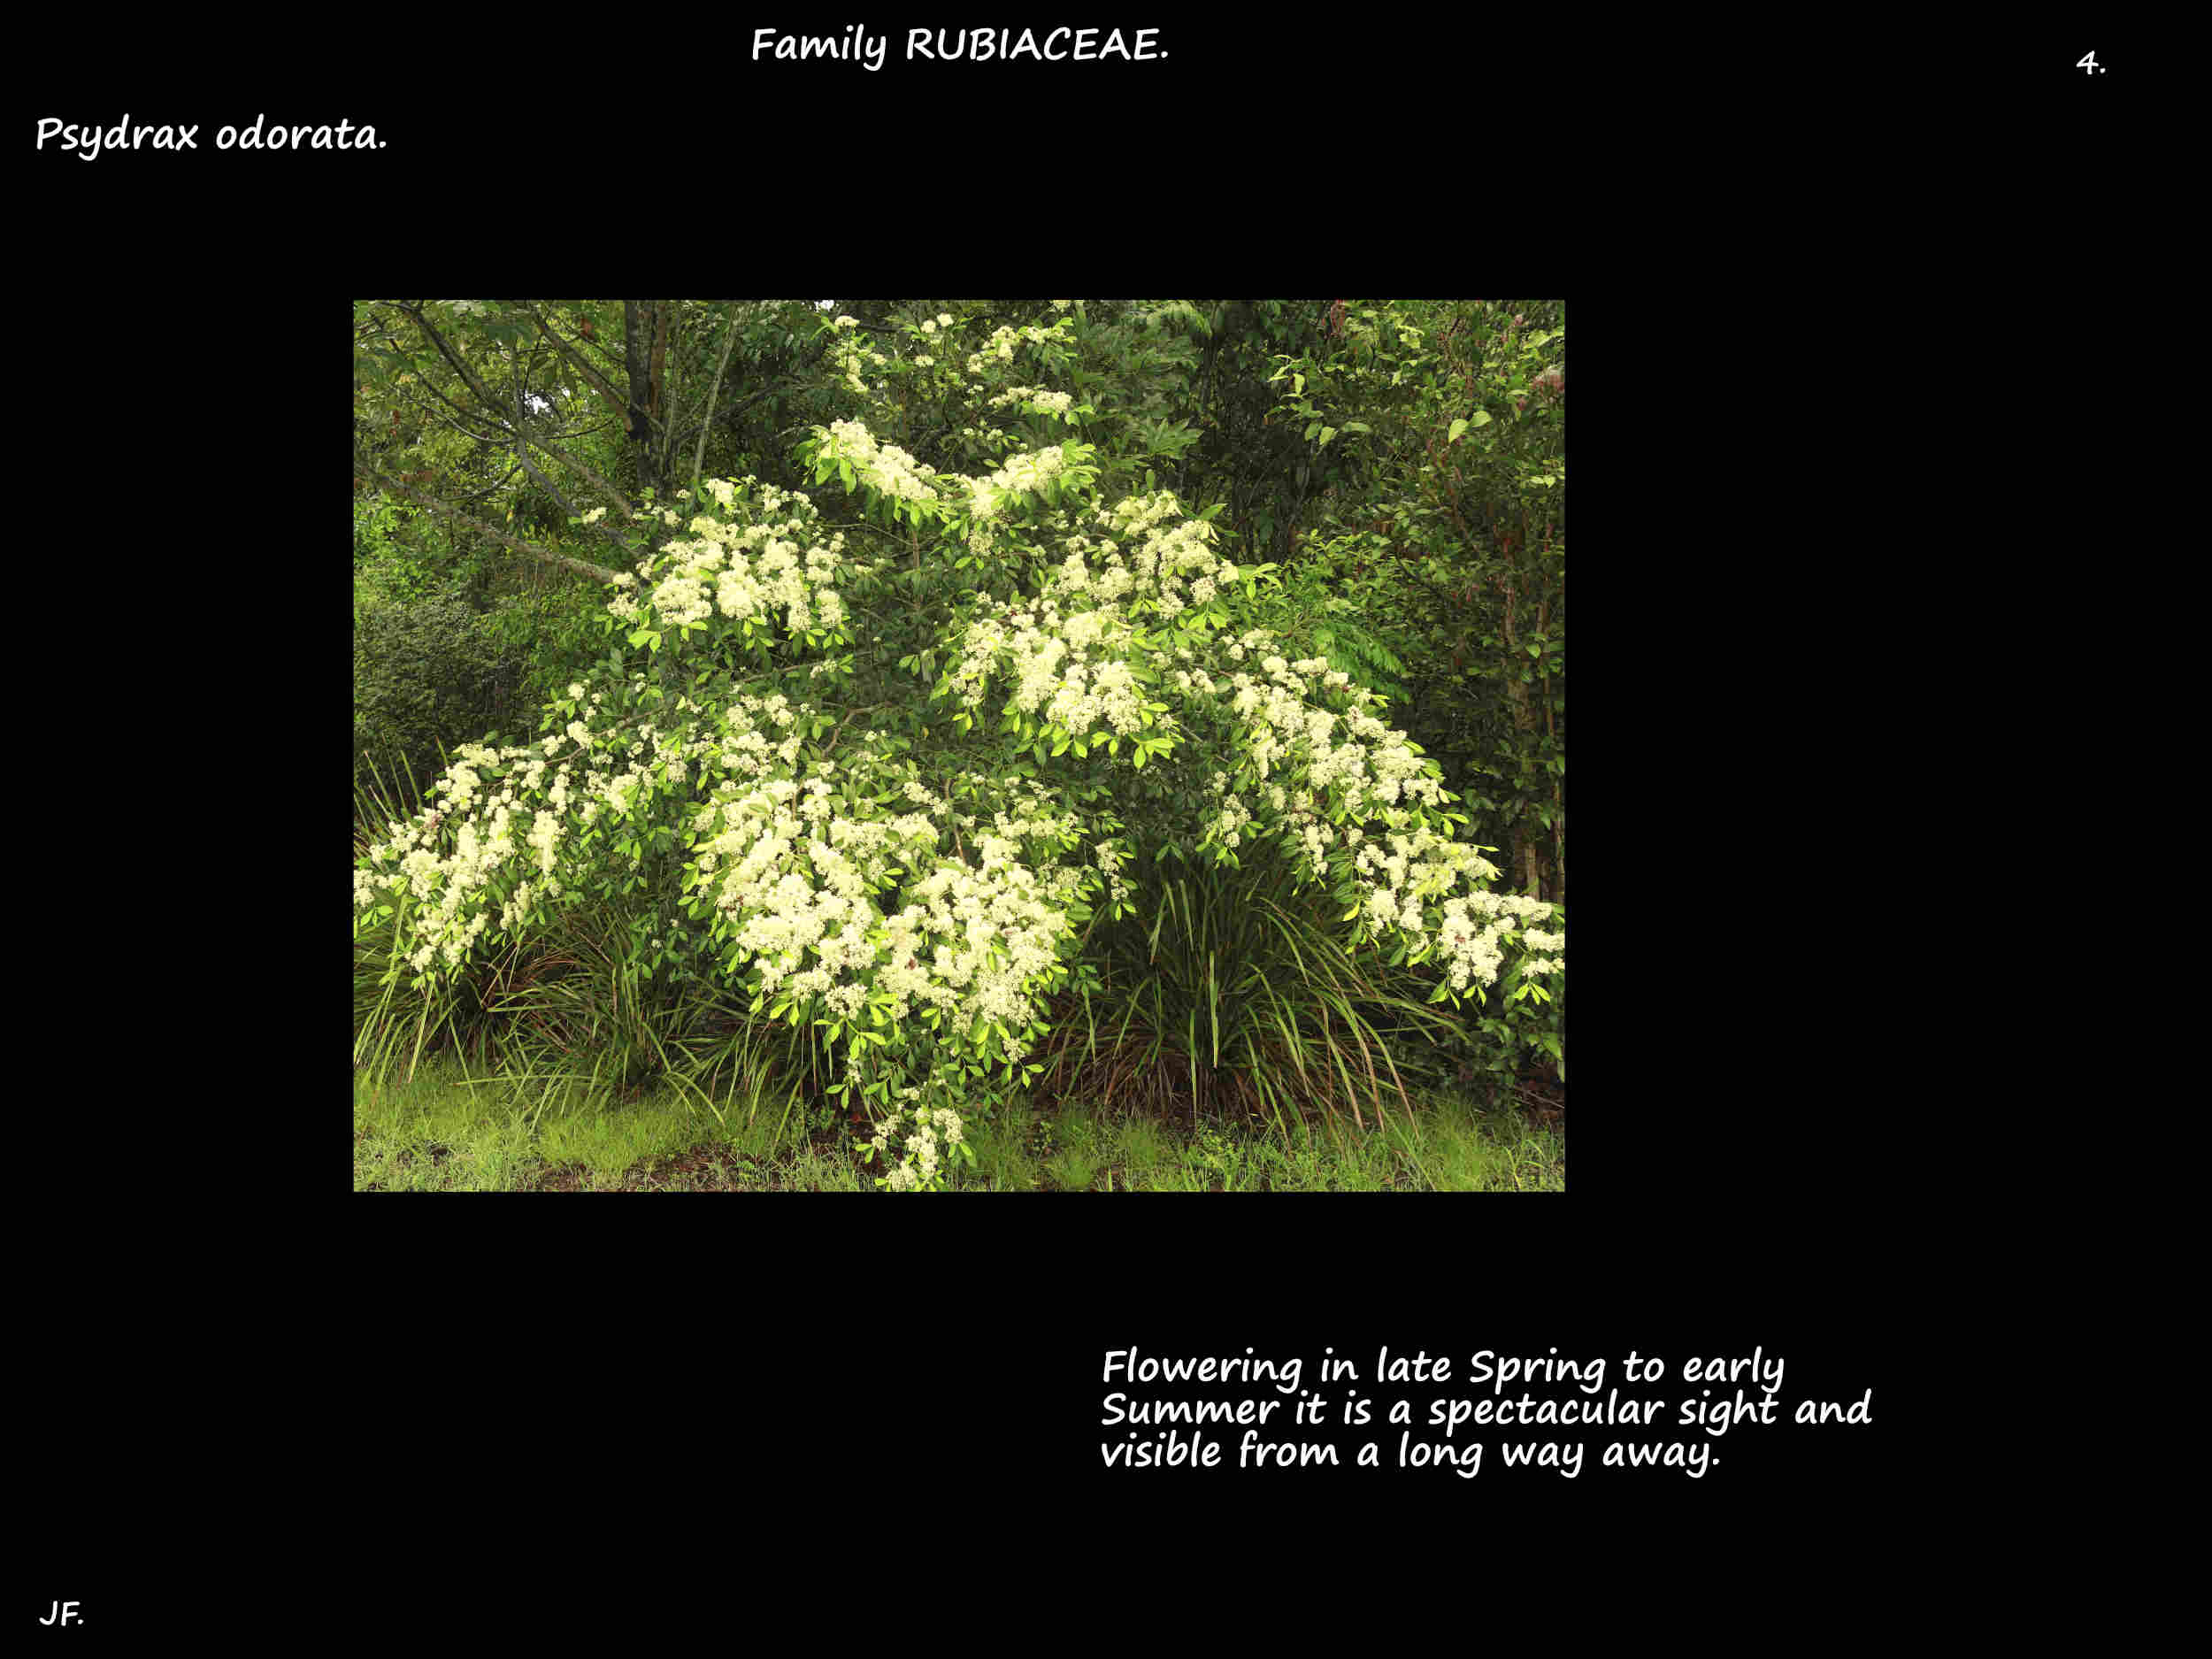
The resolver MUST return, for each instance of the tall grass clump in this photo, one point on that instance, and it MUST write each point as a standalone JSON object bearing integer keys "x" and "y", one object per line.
{"x": 1231, "y": 996}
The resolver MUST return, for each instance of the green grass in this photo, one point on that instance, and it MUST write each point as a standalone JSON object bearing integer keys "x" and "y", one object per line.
{"x": 446, "y": 1132}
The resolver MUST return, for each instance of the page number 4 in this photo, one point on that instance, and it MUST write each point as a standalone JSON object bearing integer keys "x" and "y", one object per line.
{"x": 2089, "y": 66}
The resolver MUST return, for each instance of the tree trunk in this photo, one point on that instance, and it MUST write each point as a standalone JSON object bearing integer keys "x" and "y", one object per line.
{"x": 639, "y": 325}
{"x": 1527, "y": 832}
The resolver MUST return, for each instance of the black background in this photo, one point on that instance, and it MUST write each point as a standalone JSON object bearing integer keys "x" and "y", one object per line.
{"x": 243, "y": 1417}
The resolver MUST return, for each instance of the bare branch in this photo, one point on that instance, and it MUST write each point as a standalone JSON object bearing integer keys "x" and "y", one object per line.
{"x": 452, "y": 357}
{"x": 522, "y": 455}
{"x": 699, "y": 456}
{"x": 620, "y": 501}
{"x": 583, "y": 368}
{"x": 363, "y": 467}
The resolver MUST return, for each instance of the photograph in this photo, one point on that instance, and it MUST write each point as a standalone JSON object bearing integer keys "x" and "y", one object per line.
{"x": 959, "y": 745}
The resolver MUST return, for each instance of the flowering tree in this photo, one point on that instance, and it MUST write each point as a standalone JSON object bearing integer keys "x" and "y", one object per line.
{"x": 886, "y": 785}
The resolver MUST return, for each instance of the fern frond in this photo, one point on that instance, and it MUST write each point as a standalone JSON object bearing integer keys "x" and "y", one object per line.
{"x": 1173, "y": 311}
{"x": 1352, "y": 650}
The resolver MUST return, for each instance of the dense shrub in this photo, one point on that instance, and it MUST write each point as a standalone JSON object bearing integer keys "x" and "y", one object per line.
{"x": 877, "y": 779}
{"x": 427, "y": 677}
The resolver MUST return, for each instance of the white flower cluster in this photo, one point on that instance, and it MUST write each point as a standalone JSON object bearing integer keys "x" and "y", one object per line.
{"x": 1172, "y": 557}
{"x": 745, "y": 751}
{"x": 975, "y": 939}
{"x": 453, "y": 889}
{"x": 1022, "y": 473}
{"x": 746, "y": 571}
{"x": 1538, "y": 940}
{"x": 1068, "y": 667}
{"x": 1373, "y": 768}
{"x": 1051, "y": 402}
{"x": 1229, "y": 822}
{"x": 886, "y": 468}
{"x": 479, "y": 826}
{"x": 796, "y": 875}
{"x": 1001, "y": 343}
{"x": 1110, "y": 859}
{"x": 1073, "y": 665}
{"x": 920, "y": 1127}
{"x": 1472, "y": 924}
{"x": 799, "y": 879}
{"x": 851, "y": 356}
